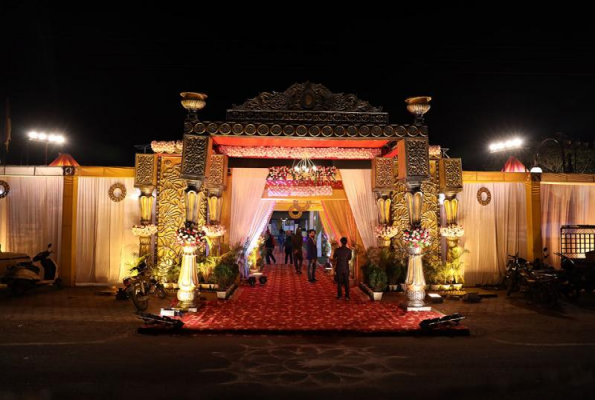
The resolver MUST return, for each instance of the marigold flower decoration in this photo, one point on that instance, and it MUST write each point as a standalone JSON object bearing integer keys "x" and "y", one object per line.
{"x": 189, "y": 235}
{"x": 144, "y": 230}
{"x": 453, "y": 230}
{"x": 417, "y": 237}
{"x": 214, "y": 230}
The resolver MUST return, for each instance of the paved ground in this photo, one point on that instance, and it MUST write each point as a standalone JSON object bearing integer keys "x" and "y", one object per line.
{"x": 74, "y": 344}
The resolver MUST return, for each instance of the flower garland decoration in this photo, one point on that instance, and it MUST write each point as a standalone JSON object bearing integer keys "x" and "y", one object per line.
{"x": 453, "y": 230}
{"x": 300, "y": 191}
{"x": 417, "y": 237}
{"x": 189, "y": 235}
{"x": 214, "y": 230}
{"x": 292, "y": 153}
{"x": 170, "y": 147}
{"x": 144, "y": 230}
{"x": 386, "y": 231}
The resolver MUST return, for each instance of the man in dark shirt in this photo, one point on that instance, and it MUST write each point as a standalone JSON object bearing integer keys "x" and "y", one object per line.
{"x": 269, "y": 245}
{"x": 311, "y": 255}
{"x": 342, "y": 256}
{"x": 297, "y": 242}
{"x": 288, "y": 246}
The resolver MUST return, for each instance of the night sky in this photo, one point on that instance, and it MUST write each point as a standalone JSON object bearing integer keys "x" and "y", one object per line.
{"x": 110, "y": 79}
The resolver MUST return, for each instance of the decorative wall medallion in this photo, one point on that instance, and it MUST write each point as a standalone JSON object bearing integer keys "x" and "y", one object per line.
{"x": 117, "y": 192}
{"x": 4, "y": 189}
{"x": 484, "y": 197}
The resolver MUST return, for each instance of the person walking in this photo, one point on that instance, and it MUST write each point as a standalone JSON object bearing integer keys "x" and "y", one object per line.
{"x": 341, "y": 257}
{"x": 311, "y": 255}
{"x": 297, "y": 242}
{"x": 281, "y": 239}
{"x": 288, "y": 247}
{"x": 269, "y": 245}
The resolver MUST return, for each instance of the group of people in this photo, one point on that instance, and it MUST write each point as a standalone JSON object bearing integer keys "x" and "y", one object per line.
{"x": 293, "y": 245}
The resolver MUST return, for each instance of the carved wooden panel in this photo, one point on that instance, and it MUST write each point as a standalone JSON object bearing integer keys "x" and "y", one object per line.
{"x": 414, "y": 161}
{"x": 171, "y": 209}
{"x": 217, "y": 171}
{"x": 194, "y": 156}
{"x": 451, "y": 175}
{"x": 400, "y": 214}
{"x": 383, "y": 174}
{"x": 144, "y": 170}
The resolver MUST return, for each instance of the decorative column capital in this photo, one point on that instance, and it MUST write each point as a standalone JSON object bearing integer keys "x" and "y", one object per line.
{"x": 414, "y": 161}
{"x": 451, "y": 176}
{"x": 145, "y": 170}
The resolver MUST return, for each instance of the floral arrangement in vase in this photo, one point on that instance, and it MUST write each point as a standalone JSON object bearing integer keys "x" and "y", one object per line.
{"x": 189, "y": 235}
{"x": 417, "y": 238}
{"x": 144, "y": 230}
{"x": 214, "y": 230}
{"x": 453, "y": 230}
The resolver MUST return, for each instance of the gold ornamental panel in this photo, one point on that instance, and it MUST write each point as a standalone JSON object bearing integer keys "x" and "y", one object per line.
{"x": 171, "y": 209}
{"x": 144, "y": 170}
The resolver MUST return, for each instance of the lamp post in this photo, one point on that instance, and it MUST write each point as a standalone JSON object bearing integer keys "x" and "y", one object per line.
{"x": 47, "y": 139}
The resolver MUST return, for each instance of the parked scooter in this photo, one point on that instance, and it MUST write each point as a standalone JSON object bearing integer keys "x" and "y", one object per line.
{"x": 26, "y": 275}
{"x": 537, "y": 285}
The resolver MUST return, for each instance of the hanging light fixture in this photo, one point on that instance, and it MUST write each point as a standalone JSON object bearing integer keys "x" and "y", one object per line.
{"x": 304, "y": 166}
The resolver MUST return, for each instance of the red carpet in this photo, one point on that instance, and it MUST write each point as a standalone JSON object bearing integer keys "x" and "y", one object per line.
{"x": 288, "y": 303}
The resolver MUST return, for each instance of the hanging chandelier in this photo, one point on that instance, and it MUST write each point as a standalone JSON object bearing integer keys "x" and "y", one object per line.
{"x": 304, "y": 168}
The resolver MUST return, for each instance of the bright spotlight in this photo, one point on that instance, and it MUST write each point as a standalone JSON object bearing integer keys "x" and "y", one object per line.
{"x": 42, "y": 136}
{"x": 33, "y": 135}
{"x": 509, "y": 144}
{"x": 536, "y": 170}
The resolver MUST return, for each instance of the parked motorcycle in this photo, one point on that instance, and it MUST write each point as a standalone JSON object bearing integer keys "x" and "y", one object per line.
{"x": 25, "y": 275}
{"x": 536, "y": 285}
{"x": 142, "y": 286}
{"x": 577, "y": 275}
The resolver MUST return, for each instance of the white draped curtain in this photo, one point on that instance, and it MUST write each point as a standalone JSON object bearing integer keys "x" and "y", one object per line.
{"x": 246, "y": 192}
{"x": 105, "y": 244}
{"x": 564, "y": 205}
{"x": 492, "y": 231}
{"x": 358, "y": 188}
{"x": 31, "y": 214}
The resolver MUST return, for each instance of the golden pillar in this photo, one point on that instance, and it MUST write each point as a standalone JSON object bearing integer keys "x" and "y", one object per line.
{"x": 216, "y": 184}
{"x": 194, "y": 165}
{"x": 383, "y": 182}
{"x": 414, "y": 168}
{"x": 533, "y": 202}
{"x": 145, "y": 179}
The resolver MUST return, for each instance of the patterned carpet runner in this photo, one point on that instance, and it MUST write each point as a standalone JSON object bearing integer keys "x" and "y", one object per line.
{"x": 289, "y": 303}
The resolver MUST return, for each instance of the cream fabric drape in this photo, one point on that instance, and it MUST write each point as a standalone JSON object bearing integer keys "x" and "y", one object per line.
{"x": 105, "y": 243}
{"x": 246, "y": 193}
{"x": 493, "y": 231}
{"x": 358, "y": 187}
{"x": 564, "y": 205}
{"x": 31, "y": 215}
{"x": 260, "y": 219}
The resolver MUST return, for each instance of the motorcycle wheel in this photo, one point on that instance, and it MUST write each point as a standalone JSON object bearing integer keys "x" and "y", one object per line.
{"x": 161, "y": 293}
{"x": 139, "y": 303}
{"x": 509, "y": 285}
{"x": 572, "y": 294}
{"x": 547, "y": 296}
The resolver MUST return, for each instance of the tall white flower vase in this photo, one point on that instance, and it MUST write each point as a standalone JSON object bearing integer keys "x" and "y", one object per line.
{"x": 187, "y": 281}
{"x": 416, "y": 282}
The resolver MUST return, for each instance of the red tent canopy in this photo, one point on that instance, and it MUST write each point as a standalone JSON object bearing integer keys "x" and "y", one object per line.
{"x": 64, "y": 160}
{"x": 514, "y": 165}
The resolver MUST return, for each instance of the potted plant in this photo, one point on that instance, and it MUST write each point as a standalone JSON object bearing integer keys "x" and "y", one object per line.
{"x": 377, "y": 279}
{"x": 225, "y": 276}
